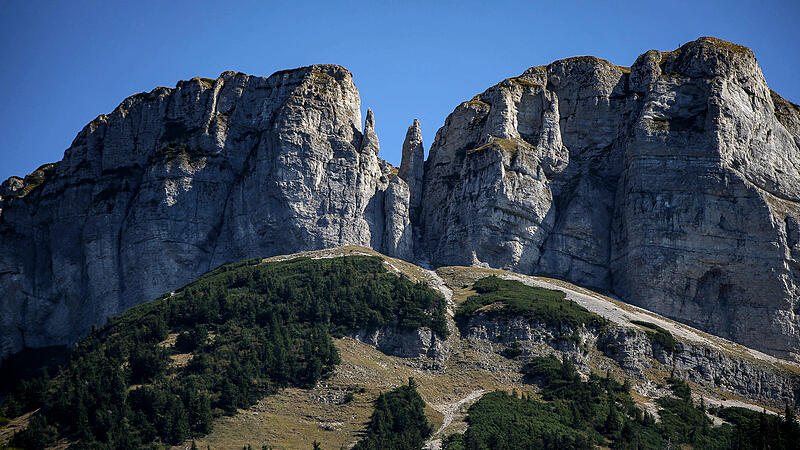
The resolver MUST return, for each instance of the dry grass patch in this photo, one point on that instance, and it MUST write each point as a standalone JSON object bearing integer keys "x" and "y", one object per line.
{"x": 294, "y": 418}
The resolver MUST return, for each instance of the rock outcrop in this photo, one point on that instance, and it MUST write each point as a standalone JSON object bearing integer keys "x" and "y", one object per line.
{"x": 673, "y": 183}
{"x": 635, "y": 354}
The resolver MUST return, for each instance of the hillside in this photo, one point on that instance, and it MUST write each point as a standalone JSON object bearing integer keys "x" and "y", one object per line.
{"x": 671, "y": 183}
{"x": 418, "y": 324}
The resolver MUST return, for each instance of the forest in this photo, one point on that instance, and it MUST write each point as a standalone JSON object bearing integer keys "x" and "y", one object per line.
{"x": 247, "y": 329}
{"x": 576, "y": 414}
{"x": 160, "y": 373}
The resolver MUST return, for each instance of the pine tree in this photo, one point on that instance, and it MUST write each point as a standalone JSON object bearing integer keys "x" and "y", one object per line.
{"x": 398, "y": 421}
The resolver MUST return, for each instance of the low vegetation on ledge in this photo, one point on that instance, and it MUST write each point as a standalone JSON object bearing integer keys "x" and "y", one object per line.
{"x": 658, "y": 335}
{"x": 36, "y": 179}
{"x": 508, "y": 146}
{"x": 511, "y": 298}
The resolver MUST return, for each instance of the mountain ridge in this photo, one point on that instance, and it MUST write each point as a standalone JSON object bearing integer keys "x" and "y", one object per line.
{"x": 671, "y": 184}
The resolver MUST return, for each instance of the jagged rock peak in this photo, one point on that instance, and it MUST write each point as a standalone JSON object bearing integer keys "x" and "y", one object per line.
{"x": 177, "y": 181}
{"x": 672, "y": 183}
{"x": 413, "y": 154}
{"x": 412, "y": 166}
{"x": 369, "y": 123}
{"x": 370, "y": 142}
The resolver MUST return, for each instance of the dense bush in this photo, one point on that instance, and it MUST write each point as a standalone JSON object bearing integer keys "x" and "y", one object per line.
{"x": 513, "y": 298}
{"x": 513, "y": 350}
{"x": 502, "y": 421}
{"x": 398, "y": 421}
{"x": 251, "y": 328}
{"x": 658, "y": 335}
{"x": 190, "y": 340}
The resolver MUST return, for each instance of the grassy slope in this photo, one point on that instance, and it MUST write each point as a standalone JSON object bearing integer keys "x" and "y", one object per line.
{"x": 294, "y": 415}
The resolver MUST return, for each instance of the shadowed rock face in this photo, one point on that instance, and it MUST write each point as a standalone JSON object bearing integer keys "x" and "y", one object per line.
{"x": 673, "y": 184}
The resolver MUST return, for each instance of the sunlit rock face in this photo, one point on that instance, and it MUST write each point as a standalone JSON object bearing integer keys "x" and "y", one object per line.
{"x": 673, "y": 183}
{"x": 178, "y": 181}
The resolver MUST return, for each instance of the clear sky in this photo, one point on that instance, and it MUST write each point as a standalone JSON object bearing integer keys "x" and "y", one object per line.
{"x": 65, "y": 62}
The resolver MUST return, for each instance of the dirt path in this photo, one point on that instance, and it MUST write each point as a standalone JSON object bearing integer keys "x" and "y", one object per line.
{"x": 449, "y": 411}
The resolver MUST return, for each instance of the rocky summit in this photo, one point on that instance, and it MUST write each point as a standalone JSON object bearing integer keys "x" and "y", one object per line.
{"x": 672, "y": 184}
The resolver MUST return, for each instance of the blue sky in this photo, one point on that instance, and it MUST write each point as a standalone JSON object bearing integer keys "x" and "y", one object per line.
{"x": 65, "y": 62}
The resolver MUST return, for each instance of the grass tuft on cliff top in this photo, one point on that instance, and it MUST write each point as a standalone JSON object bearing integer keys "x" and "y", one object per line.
{"x": 506, "y": 145}
{"x": 36, "y": 178}
{"x": 658, "y": 335}
{"x": 725, "y": 44}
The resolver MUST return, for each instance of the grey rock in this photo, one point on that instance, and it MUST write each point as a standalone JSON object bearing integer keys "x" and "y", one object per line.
{"x": 634, "y": 353}
{"x": 706, "y": 366}
{"x": 673, "y": 183}
{"x": 11, "y": 186}
{"x": 398, "y": 237}
{"x": 535, "y": 338}
{"x": 178, "y": 181}
{"x": 421, "y": 342}
{"x": 412, "y": 166}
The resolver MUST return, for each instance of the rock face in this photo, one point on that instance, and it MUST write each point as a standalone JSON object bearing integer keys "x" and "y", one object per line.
{"x": 178, "y": 181}
{"x": 673, "y": 183}
{"x": 422, "y": 342}
{"x": 635, "y": 354}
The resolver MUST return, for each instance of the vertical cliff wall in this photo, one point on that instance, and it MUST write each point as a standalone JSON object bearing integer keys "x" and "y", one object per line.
{"x": 178, "y": 181}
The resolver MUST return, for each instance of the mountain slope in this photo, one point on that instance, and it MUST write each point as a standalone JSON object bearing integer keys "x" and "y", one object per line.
{"x": 484, "y": 353}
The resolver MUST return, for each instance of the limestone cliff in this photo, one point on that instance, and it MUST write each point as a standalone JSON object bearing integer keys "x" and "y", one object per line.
{"x": 175, "y": 182}
{"x": 673, "y": 183}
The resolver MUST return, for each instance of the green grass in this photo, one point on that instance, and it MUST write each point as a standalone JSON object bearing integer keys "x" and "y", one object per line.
{"x": 511, "y": 298}
{"x": 36, "y": 179}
